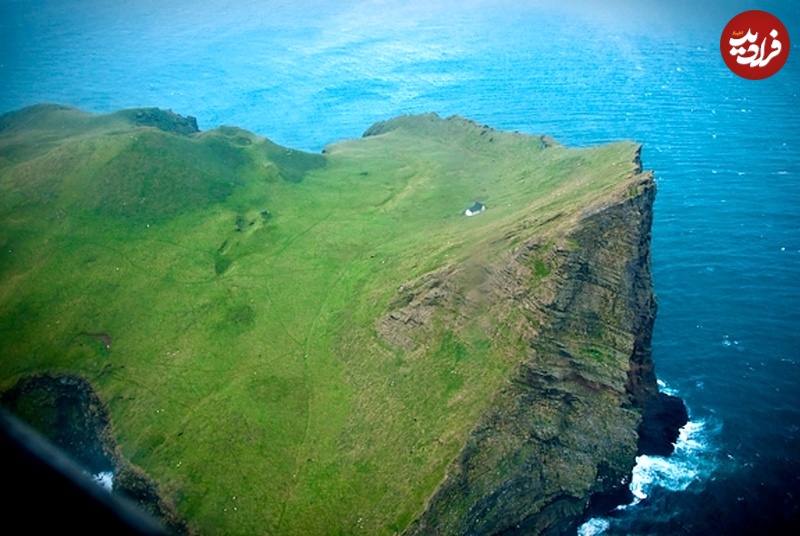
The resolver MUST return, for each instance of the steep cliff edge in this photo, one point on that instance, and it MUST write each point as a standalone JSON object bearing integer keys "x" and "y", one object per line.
{"x": 564, "y": 428}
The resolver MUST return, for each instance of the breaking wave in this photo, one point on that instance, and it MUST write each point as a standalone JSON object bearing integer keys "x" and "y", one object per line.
{"x": 594, "y": 527}
{"x": 688, "y": 463}
{"x": 104, "y": 480}
{"x": 693, "y": 460}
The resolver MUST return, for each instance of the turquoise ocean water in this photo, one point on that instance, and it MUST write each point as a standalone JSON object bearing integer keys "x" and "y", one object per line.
{"x": 726, "y": 152}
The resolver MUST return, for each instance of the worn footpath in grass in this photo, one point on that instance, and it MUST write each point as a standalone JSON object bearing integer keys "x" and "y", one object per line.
{"x": 241, "y": 282}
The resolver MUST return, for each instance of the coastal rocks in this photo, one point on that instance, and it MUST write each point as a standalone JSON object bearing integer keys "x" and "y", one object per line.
{"x": 69, "y": 413}
{"x": 65, "y": 410}
{"x": 663, "y": 416}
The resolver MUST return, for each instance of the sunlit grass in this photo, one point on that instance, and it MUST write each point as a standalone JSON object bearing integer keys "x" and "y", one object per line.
{"x": 241, "y": 283}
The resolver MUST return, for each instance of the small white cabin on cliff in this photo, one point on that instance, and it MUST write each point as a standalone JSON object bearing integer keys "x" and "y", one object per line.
{"x": 476, "y": 208}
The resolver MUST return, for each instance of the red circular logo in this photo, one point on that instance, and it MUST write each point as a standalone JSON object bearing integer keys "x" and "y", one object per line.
{"x": 754, "y": 44}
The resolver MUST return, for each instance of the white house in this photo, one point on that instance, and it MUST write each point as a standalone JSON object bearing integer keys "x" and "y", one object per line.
{"x": 476, "y": 208}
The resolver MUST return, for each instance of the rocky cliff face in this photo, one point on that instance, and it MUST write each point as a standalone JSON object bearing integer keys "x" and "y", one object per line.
{"x": 565, "y": 428}
{"x": 77, "y": 422}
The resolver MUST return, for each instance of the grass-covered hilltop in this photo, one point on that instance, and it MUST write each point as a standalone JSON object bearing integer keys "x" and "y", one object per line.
{"x": 296, "y": 343}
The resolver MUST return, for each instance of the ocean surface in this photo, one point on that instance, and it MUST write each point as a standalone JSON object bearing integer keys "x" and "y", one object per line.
{"x": 726, "y": 154}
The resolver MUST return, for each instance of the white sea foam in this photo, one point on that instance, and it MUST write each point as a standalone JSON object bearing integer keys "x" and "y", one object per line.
{"x": 594, "y": 527}
{"x": 664, "y": 389}
{"x": 691, "y": 460}
{"x": 105, "y": 480}
{"x": 676, "y": 472}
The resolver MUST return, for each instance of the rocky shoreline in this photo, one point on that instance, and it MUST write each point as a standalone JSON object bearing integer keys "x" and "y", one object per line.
{"x": 68, "y": 412}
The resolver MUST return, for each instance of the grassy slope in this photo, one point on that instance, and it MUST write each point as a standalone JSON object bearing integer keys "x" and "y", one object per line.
{"x": 245, "y": 374}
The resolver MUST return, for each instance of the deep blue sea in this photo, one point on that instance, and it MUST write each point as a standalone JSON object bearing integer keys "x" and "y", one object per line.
{"x": 726, "y": 153}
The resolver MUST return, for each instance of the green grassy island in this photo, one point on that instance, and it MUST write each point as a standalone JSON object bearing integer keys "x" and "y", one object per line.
{"x": 297, "y": 343}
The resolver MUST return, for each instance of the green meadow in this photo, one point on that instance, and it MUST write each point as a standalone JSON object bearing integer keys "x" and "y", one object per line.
{"x": 243, "y": 285}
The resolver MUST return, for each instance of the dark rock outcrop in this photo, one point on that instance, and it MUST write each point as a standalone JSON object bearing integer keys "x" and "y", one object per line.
{"x": 663, "y": 416}
{"x": 165, "y": 120}
{"x": 69, "y": 413}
